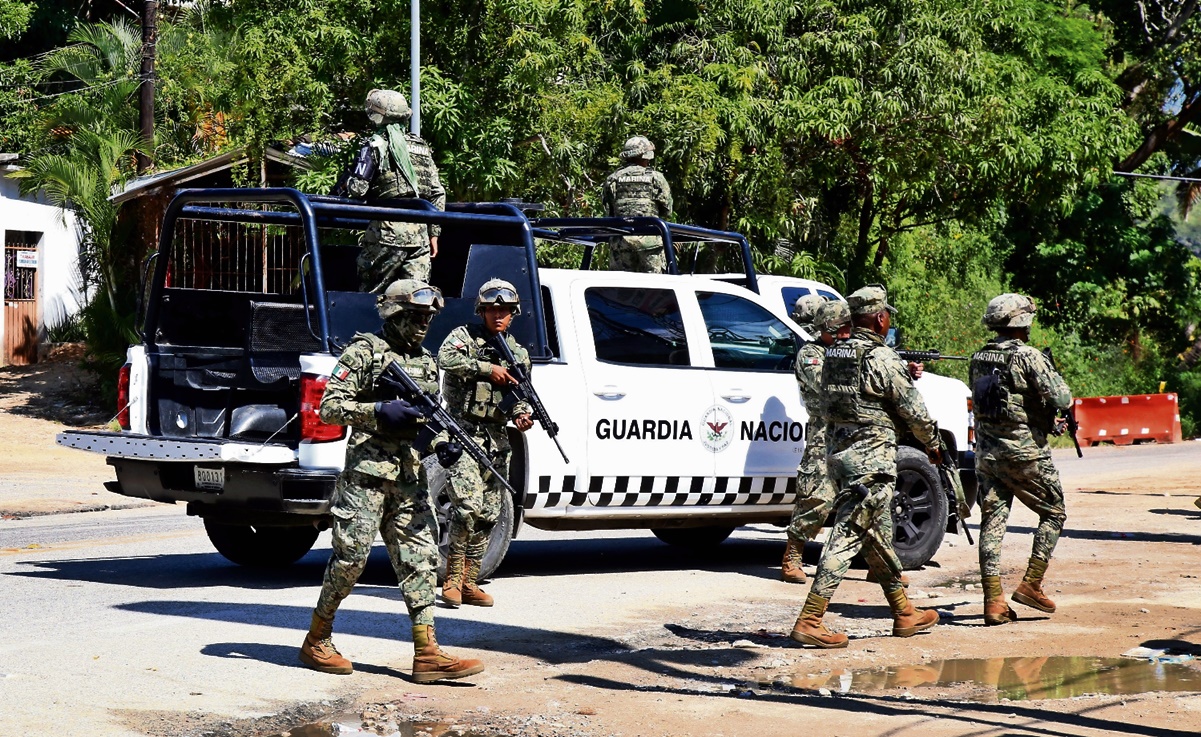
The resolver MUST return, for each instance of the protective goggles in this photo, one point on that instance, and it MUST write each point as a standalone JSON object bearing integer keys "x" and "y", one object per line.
{"x": 429, "y": 298}
{"x": 499, "y": 294}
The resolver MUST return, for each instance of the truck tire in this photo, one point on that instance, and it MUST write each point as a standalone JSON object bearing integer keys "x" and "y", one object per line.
{"x": 693, "y": 537}
{"x": 919, "y": 509}
{"x": 261, "y": 546}
{"x": 502, "y": 533}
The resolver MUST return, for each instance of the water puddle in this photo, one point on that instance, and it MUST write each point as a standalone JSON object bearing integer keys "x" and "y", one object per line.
{"x": 993, "y": 679}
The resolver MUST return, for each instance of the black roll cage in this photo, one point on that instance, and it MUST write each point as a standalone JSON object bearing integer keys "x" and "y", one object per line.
{"x": 322, "y": 211}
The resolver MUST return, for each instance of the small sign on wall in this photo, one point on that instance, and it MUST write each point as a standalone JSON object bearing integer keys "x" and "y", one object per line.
{"x": 27, "y": 259}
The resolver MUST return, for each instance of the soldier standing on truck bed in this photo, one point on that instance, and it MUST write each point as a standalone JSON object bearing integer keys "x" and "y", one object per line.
{"x": 1016, "y": 393}
{"x": 637, "y": 190}
{"x": 383, "y": 489}
{"x": 476, "y": 377}
{"x": 815, "y": 490}
{"x": 869, "y": 397}
{"x": 394, "y": 164}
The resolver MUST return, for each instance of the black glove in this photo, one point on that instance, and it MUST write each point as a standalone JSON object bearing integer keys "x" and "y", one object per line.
{"x": 448, "y": 453}
{"x": 396, "y": 414}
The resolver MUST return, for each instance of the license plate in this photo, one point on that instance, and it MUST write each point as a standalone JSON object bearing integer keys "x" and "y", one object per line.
{"x": 210, "y": 479}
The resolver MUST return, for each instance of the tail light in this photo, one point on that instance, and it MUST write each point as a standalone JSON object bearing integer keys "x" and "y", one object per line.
{"x": 312, "y": 387}
{"x": 123, "y": 397}
{"x": 971, "y": 425}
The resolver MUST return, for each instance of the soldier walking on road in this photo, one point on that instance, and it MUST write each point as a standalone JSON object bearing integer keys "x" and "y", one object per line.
{"x": 870, "y": 397}
{"x": 637, "y": 190}
{"x": 394, "y": 164}
{"x": 383, "y": 489}
{"x": 1016, "y": 394}
{"x": 815, "y": 490}
{"x": 476, "y": 377}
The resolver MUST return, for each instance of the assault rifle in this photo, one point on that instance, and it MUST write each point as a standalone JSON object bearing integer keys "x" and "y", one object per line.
{"x": 1069, "y": 416}
{"x": 436, "y": 417}
{"x": 927, "y": 356}
{"x": 524, "y": 391}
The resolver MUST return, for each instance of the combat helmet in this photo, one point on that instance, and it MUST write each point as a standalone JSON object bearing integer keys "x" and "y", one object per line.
{"x": 387, "y": 106}
{"x": 831, "y": 316}
{"x": 638, "y": 147}
{"x": 1009, "y": 310}
{"x": 408, "y": 295}
{"x": 498, "y": 292}
{"x": 804, "y": 310}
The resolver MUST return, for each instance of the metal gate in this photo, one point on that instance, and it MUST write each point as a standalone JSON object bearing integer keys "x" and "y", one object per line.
{"x": 21, "y": 297}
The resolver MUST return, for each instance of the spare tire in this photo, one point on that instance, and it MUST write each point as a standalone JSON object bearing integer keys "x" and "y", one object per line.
{"x": 261, "y": 546}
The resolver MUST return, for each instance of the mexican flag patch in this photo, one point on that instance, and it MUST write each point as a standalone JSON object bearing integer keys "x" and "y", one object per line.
{"x": 813, "y": 361}
{"x": 341, "y": 372}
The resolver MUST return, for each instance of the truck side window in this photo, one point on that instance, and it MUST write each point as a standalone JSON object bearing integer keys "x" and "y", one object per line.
{"x": 743, "y": 335}
{"x": 637, "y": 326}
{"x": 552, "y": 327}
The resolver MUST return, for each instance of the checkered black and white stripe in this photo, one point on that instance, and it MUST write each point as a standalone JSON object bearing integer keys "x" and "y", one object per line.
{"x": 660, "y": 491}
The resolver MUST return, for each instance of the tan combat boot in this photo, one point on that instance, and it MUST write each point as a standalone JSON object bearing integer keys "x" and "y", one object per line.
{"x": 906, "y": 620}
{"x": 318, "y": 651}
{"x": 431, "y": 663}
{"x": 452, "y": 585}
{"x": 996, "y": 611}
{"x": 1030, "y": 590}
{"x": 473, "y": 595}
{"x": 790, "y": 569}
{"x": 809, "y": 629}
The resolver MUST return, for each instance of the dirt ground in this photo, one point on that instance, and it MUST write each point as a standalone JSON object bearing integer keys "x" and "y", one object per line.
{"x": 713, "y": 659}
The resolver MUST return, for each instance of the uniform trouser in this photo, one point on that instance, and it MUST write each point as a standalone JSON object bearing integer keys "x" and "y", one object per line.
{"x": 392, "y": 251}
{"x": 1036, "y": 484}
{"x": 476, "y": 494}
{"x": 642, "y": 253}
{"x": 815, "y": 495}
{"x": 861, "y": 523}
{"x": 402, "y": 513}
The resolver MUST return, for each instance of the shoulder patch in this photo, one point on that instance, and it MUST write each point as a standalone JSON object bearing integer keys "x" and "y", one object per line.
{"x": 813, "y": 362}
{"x": 341, "y": 372}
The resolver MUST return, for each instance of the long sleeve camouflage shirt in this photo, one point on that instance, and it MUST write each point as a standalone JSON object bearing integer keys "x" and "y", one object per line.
{"x": 637, "y": 190}
{"x": 886, "y": 376}
{"x": 467, "y": 359}
{"x": 388, "y": 181}
{"x": 350, "y": 396}
{"x": 808, "y": 371}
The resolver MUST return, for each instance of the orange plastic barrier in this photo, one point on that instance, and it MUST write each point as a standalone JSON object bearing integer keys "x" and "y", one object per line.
{"x": 1122, "y": 420}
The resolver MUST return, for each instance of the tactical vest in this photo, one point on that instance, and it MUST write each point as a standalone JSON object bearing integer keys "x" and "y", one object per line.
{"x": 480, "y": 400}
{"x": 633, "y": 192}
{"x": 422, "y": 368}
{"x": 848, "y": 400}
{"x": 995, "y": 395}
{"x": 389, "y": 181}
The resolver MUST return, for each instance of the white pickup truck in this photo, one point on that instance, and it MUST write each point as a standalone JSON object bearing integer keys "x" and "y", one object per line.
{"x": 674, "y": 394}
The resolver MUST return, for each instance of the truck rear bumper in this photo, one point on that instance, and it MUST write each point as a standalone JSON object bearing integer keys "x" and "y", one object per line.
{"x": 154, "y": 448}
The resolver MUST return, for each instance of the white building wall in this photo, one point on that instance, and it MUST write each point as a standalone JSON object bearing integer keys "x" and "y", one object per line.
{"x": 60, "y": 288}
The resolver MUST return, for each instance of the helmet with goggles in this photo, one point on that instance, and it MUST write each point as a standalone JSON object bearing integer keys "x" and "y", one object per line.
{"x": 409, "y": 295}
{"x": 498, "y": 292}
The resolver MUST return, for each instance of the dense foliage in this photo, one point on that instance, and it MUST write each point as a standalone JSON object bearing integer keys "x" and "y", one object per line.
{"x": 953, "y": 148}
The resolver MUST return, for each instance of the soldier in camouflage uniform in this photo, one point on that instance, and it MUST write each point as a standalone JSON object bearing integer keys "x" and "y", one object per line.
{"x": 870, "y": 397}
{"x": 394, "y": 164}
{"x": 383, "y": 489}
{"x": 637, "y": 190}
{"x": 475, "y": 380}
{"x": 815, "y": 490}
{"x": 1016, "y": 394}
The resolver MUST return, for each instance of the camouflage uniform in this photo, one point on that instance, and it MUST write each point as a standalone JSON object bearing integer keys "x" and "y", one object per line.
{"x": 815, "y": 489}
{"x": 467, "y": 358}
{"x": 632, "y": 191}
{"x": 383, "y": 488}
{"x": 1012, "y": 456}
{"x": 870, "y": 397}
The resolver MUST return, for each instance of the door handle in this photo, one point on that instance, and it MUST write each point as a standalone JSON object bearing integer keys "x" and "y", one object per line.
{"x": 610, "y": 393}
{"x": 736, "y": 398}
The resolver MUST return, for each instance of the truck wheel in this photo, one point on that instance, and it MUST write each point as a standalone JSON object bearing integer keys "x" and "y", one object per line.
{"x": 261, "y": 546}
{"x": 693, "y": 537}
{"x": 498, "y": 544}
{"x": 919, "y": 509}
